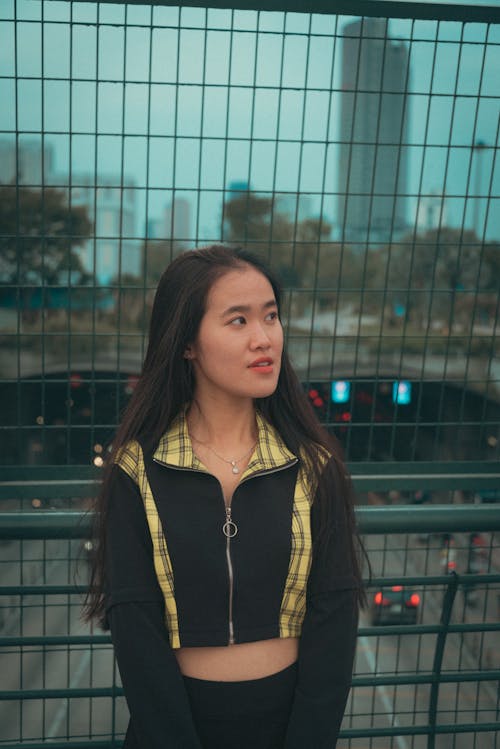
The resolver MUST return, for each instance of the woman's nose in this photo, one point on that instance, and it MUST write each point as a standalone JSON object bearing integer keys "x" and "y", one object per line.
{"x": 260, "y": 338}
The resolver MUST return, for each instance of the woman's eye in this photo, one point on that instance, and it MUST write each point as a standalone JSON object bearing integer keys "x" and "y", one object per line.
{"x": 238, "y": 321}
{"x": 272, "y": 316}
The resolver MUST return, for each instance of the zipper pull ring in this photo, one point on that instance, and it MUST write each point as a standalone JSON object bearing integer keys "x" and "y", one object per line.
{"x": 229, "y": 529}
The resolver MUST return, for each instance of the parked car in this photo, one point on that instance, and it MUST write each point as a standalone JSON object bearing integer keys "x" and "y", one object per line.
{"x": 395, "y": 605}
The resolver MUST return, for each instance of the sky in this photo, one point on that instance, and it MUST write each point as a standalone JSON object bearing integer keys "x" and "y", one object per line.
{"x": 251, "y": 97}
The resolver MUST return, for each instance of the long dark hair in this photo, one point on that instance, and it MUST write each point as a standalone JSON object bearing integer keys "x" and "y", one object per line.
{"x": 166, "y": 384}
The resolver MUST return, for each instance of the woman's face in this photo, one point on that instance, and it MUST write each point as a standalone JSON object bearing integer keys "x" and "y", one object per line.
{"x": 237, "y": 352}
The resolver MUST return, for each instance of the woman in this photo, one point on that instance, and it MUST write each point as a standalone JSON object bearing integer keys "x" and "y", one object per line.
{"x": 226, "y": 567}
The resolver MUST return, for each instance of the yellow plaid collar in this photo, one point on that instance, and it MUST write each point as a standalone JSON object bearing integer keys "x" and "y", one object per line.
{"x": 175, "y": 448}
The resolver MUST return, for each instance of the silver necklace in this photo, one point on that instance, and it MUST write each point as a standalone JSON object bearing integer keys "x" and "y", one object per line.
{"x": 233, "y": 463}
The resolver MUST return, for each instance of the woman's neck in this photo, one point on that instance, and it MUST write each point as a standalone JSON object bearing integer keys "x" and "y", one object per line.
{"x": 222, "y": 426}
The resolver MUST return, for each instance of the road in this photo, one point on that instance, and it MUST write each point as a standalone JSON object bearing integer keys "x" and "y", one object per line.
{"x": 400, "y": 706}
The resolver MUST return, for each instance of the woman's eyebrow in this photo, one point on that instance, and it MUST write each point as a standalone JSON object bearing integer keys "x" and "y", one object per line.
{"x": 247, "y": 307}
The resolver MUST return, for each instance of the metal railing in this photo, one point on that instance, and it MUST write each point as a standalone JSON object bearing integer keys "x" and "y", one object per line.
{"x": 454, "y": 637}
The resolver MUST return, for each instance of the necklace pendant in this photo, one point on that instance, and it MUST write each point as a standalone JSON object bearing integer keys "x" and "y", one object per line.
{"x": 235, "y": 468}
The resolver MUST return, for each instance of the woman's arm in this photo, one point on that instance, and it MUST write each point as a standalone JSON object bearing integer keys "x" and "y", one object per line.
{"x": 153, "y": 685}
{"x": 328, "y": 639}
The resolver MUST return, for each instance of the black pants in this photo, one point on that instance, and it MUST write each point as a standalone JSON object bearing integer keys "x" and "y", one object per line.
{"x": 249, "y": 714}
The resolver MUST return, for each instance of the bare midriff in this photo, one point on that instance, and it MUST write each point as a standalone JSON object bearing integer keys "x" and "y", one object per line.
{"x": 248, "y": 660}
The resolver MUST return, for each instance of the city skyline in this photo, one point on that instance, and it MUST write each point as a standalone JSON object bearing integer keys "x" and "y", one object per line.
{"x": 168, "y": 112}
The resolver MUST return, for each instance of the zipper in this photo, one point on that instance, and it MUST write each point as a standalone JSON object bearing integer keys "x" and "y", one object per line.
{"x": 230, "y": 529}
{"x": 229, "y": 524}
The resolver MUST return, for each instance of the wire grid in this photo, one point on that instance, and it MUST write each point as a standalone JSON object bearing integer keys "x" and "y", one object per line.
{"x": 41, "y": 653}
{"x": 64, "y": 668}
{"x": 400, "y": 658}
{"x": 360, "y": 156}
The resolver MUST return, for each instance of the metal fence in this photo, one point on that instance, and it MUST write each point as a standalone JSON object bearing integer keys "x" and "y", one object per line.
{"x": 359, "y": 154}
{"x": 427, "y": 670}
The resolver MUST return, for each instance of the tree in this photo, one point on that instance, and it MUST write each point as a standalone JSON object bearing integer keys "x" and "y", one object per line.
{"x": 292, "y": 248}
{"x": 38, "y": 234}
{"x": 436, "y": 267}
{"x": 248, "y": 218}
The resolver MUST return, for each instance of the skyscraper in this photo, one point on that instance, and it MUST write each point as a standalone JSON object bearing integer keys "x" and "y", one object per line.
{"x": 373, "y": 167}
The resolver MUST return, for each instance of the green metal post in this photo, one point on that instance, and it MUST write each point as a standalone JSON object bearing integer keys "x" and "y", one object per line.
{"x": 448, "y": 601}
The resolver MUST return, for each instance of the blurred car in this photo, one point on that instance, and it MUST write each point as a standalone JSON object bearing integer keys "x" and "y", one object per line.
{"x": 395, "y": 605}
{"x": 448, "y": 554}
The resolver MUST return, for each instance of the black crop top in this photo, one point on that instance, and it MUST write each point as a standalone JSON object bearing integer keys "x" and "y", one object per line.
{"x": 144, "y": 632}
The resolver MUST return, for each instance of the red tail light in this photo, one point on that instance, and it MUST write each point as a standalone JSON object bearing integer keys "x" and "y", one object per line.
{"x": 414, "y": 600}
{"x": 380, "y": 600}
{"x": 397, "y": 588}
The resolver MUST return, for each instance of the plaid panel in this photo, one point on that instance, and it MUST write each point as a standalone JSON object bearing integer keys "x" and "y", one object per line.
{"x": 127, "y": 458}
{"x": 293, "y": 604}
{"x": 270, "y": 450}
{"x": 175, "y": 446}
{"x": 130, "y": 458}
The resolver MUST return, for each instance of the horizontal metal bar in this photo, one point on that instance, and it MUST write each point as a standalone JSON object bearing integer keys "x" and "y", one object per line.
{"x": 487, "y": 578}
{"x": 371, "y": 520}
{"x": 47, "y": 641}
{"x": 408, "y": 476}
{"x": 69, "y": 745}
{"x": 445, "y": 728}
{"x": 358, "y": 681}
{"x": 46, "y": 482}
{"x": 58, "y": 694}
{"x": 48, "y": 489}
{"x": 44, "y": 525}
{"x": 50, "y": 641}
{"x": 450, "y": 677}
{"x": 427, "y": 629}
{"x": 347, "y": 733}
{"x": 380, "y": 8}
{"x": 427, "y": 518}
{"x": 374, "y": 582}
{"x": 42, "y": 590}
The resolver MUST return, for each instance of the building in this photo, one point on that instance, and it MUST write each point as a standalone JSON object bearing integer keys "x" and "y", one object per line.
{"x": 373, "y": 167}
{"x": 115, "y": 249}
{"x": 24, "y": 165}
{"x": 177, "y": 221}
{"x": 166, "y": 236}
{"x": 432, "y": 212}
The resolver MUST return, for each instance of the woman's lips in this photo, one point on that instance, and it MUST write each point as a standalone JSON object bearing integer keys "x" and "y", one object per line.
{"x": 262, "y": 366}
